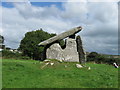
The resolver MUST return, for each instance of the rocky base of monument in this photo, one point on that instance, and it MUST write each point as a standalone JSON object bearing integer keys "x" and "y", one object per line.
{"x": 52, "y": 63}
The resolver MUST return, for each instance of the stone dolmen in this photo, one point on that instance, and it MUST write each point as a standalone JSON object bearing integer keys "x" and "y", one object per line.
{"x": 73, "y": 51}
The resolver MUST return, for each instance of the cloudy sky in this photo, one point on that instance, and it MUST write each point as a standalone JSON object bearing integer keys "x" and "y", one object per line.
{"x": 98, "y": 19}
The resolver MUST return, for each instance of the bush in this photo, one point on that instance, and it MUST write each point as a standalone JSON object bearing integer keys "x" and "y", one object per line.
{"x": 100, "y": 59}
{"x": 9, "y": 54}
{"x": 94, "y": 56}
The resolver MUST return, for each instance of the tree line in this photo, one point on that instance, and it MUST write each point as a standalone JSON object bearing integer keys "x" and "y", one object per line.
{"x": 98, "y": 58}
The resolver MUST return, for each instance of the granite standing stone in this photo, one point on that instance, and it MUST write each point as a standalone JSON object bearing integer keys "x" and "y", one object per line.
{"x": 81, "y": 52}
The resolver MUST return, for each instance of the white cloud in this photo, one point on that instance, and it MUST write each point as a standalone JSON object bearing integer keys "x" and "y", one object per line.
{"x": 99, "y": 21}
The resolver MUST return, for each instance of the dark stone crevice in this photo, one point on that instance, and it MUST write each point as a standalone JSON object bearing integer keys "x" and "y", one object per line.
{"x": 63, "y": 46}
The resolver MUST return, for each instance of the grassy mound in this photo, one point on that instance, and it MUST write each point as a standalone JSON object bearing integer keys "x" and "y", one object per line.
{"x": 33, "y": 74}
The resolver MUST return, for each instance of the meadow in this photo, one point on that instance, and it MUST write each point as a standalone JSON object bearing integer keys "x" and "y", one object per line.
{"x": 32, "y": 74}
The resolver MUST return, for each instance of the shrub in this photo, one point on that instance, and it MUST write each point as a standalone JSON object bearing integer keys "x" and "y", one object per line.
{"x": 94, "y": 56}
{"x": 9, "y": 54}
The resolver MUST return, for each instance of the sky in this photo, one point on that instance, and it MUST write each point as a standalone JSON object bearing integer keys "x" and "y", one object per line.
{"x": 98, "y": 19}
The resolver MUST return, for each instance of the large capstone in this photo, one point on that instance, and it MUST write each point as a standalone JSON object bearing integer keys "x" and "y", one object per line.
{"x": 69, "y": 54}
{"x": 61, "y": 36}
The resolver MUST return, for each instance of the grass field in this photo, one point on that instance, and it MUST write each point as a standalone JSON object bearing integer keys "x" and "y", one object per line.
{"x": 30, "y": 74}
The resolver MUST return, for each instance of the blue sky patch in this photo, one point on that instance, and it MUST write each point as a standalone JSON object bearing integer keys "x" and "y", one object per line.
{"x": 8, "y": 4}
{"x": 48, "y": 4}
{"x": 38, "y": 4}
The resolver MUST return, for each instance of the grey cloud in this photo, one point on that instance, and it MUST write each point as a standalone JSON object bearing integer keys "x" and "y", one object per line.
{"x": 28, "y": 11}
{"x": 99, "y": 21}
{"x": 99, "y": 45}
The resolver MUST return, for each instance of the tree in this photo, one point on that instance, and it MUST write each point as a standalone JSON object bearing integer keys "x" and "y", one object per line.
{"x": 2, "y": 46}
{"x": 98, "y": 58}
{"x": 1, "y": 39}
{"x": 29, "y": 44}
{"x": 92, "y": 56}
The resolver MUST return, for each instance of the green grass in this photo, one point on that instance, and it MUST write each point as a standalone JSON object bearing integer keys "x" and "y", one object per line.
{"x": 28, "y": 74}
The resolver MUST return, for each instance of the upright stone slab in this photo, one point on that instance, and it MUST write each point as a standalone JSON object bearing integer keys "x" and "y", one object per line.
{"x": 54, "y": 52}
{"x": 81, "y": 52}
{"x": 69, "y": 54}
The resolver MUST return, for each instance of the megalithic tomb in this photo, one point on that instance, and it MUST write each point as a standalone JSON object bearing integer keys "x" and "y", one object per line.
{"x": 73, "y": 52}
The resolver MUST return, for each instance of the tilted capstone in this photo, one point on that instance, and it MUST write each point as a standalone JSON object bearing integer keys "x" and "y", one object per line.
{"x": 61, "y": 36}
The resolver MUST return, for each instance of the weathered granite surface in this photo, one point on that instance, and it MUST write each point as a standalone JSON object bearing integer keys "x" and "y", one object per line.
{"x": 54, "y": 52}
{"x": 69, "y": 54}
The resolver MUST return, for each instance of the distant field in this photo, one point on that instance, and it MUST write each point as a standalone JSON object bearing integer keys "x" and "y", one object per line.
{"x": 28, "y": 74}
